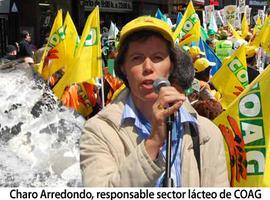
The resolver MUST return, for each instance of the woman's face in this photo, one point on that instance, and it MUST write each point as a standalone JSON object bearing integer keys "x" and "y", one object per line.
{"x": 145, "y": 61}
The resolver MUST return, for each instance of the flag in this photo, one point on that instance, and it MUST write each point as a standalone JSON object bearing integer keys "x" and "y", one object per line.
{"x": 211, "y": 56}
{"x": 163, "y": 17}
{"x": 169, "y": 21}
{"x": 113, "y": 31}
{"x": 111, "y": 67}
{"x": 219, "y": 18}
{"x": 58, "y": 50}
{"x": 231, "y": 79}
{"x": 208, "y": 10}
{"x": 244, "y": 27}
{"x": 179, "y": 18}
{"x": 246, "y": 128}
{"x": 70, "y": 97}
{"x": 65, "y": 49}
{"x": 113, "y": 83}
{"x": 257, "y": 26}
{"x": 263, "y": 36}
{"x": 265, "y": 41}
{"x": 160, "y": 15}
{"x": 212, "y": 24}
{"x": 81, "y": 97}
{"x": 72, "y": 38}
{"x": 235, "y": 34}
{"x": 188, "y": 29}
{"x": 204, "y": 35}
{"x": 87, "y": 62}
{"x": 42, "y": 67}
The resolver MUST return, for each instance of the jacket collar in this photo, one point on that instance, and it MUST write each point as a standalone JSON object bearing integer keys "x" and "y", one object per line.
{"x": 113, "y": 112}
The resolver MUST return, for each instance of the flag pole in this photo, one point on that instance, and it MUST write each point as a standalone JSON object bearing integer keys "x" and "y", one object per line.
{"x": 102, "y": 91}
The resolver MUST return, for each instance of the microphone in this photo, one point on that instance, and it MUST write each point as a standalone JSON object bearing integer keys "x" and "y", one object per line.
{"x": 167, "y": 181}
{"x": 160, "y": 82}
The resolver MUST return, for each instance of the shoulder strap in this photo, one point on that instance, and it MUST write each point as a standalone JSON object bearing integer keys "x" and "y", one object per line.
{"x": 196, "y": 146}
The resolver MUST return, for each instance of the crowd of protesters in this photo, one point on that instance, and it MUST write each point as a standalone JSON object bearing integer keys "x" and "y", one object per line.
{"x": 203, "y": 96}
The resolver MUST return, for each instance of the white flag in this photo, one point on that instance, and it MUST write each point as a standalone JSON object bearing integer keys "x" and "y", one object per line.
{"x": 113, "y": 31}
{"x": 212, "y": 24}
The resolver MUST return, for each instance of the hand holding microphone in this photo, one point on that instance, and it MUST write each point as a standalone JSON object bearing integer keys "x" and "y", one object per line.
{"x": 169, "y": 99}
{"x": 168, "y": 102}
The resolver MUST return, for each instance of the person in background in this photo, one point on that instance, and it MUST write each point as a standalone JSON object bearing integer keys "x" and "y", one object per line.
{"x": 124, "y": 144}
{"x": 223, "y": 47}
{"x": 39, "y": 53}
{"x": 11, "y": 53}
{"x": 206, "y": 100}
{"x": 211, "y": 44}
{"x": 212, "y": 37}
{"x": 182, "y": 76}
{"x": 252, "y": 69}
{"x": 25, "y": 49}
{"x": 195, "y": 53}
{"x": 202, "y": 69}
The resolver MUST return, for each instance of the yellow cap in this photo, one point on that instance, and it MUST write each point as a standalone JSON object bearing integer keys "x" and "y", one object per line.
{"x": 195, "y": 51}
{"x": 147, "y": 23}
{"x": 202, "y": 63}
{"x": 239, "y": 32}
{"x": 250, "y": 51}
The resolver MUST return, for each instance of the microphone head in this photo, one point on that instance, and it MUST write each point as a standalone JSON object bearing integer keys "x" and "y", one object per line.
{"x": 160, "y": 82}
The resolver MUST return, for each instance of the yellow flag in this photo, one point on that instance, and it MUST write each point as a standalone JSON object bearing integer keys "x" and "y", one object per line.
{"x": 235, "y": 34}
{"x": 257, "y": 26}
{"x": 56, "y": 54}
{"x": 265, "y": 41}
{"x": 246, "y": 130}
{"x": 188, "y": 30}
{"x": 67, "y": 46}
{"x": 72, "y": 38}
{"x": 87, "y": 62}
{"x": 57, "y": 24}
{"x": 231, "y": 79}
{"x": 244, "y": 27}
{"x": 262, "y": 37}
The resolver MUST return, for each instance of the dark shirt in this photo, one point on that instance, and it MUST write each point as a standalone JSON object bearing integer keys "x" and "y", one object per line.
{"x": 7, "y": 58}
{"x": 252, "y": 74}
{"x": 25, "y": 49}
{"x": 10, "y": 57}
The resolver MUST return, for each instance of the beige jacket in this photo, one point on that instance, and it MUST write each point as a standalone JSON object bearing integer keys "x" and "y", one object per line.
{"x": 112, "y": 155}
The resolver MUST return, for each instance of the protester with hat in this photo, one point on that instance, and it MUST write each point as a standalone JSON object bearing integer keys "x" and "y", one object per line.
{"x": 212, "y": 36}
{"x": 202, "y": 73}
{"x": 195, "y": 53}
{"x": 124, "y": 144}
{"x": 251, "y": 51}
{"x": 206, "y": 100}
{"x": 202, "y": 68}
